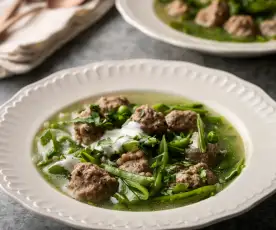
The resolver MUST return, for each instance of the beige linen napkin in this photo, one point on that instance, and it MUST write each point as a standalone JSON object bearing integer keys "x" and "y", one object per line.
{"x": 39, "y": 35}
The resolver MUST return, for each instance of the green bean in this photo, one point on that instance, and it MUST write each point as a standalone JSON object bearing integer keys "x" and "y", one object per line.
{"x": 175, "y": 149}
{"x": 236, "y": 171}
{"x": 163, "y": 149}
{"x": 206, "y": 190}
{"x": 121, "y": 198}
{"x": 148, "y": 140}
{"x": 145, "y": 181}
{"x": 160, "y": 107}
{"x": 180, "y": 143}
{"x": 201, "y": 136}
{"x": 157, "y": 157}
{"x": 180, "y": 188}
{"x": 143, "y": 193}
{"x": 157, "y": 185}
{"x": 88, "y": 158}
{"x": 212, "y": 137}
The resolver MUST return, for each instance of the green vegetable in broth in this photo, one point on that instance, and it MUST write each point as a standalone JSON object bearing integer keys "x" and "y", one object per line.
{"x": 201, "y": 136}
{"x": 221, "y": 20}
{"x": 115, "y": 154}
{"x": 146, "y": 181}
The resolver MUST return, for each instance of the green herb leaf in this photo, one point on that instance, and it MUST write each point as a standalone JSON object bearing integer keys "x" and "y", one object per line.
{"x": 58, "y": 169}
{"x": 94, "y": 119}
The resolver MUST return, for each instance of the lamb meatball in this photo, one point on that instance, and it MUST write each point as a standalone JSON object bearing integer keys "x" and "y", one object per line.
{"x": 209, "y": 157}
{"x": 179, "y": 121}
{"x": 176, "y": 8}
{"x": 86, "y": 133}
{"x": 213, "y": 15}
{"x": 91, "y": 183}
{"x": 194, "y": 177}
{"x": 240, "y": 26}
{"x": 134, "y": 162}
{"x": 111, "y": 103}
{"x": 268, "y": 28}
{"x": 151, "y": 122}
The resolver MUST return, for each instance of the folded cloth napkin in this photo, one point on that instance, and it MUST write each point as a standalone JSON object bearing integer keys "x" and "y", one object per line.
{"x": 38, "y": 35}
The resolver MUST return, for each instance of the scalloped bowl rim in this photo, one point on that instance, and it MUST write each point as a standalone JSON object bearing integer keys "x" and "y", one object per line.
{"x": 141, "y": 15}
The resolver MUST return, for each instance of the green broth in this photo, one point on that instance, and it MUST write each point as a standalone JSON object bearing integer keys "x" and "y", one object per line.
{"x": 236, "y": 151}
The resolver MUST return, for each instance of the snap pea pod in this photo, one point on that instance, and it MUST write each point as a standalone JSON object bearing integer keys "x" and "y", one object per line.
{"x": 121, "y": 198}
{"x": 142, "y": 180}
{"x": 201, "y": 136}
{"x": 160, "y": 107}
{"x": 88, "y": 158}
{"x": 142, "y": 192}
{"x": 174, "y": 149}
{"x": 180, "y": 188}
{"x": 206, "y": 190}
{"x": 157, "y": 185}
{"x": 180, "y": 143}
{"x": 236, "y": 171}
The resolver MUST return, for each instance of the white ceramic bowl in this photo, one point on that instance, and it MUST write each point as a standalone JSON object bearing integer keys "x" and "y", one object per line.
{"x": 247, "y": 107}
{"x": 141, "y": 15}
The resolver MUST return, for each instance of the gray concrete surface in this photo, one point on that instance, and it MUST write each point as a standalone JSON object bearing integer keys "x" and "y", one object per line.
{"x": 112, "y": 38}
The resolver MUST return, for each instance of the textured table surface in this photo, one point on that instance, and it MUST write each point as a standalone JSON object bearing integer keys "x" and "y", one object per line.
{"x": 112, "y": 38}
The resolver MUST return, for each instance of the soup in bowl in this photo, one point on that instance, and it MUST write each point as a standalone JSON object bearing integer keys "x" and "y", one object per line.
{"x": 138, "y": 151}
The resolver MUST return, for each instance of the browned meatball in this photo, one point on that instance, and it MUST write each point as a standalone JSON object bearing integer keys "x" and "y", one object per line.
{"x": 111, "y": 103}
{"x": 134, "y": 162}
{"x": 91, "y": 183}
{"x": 213, "y": 15}
{"x": 240, "y": 26}
{"x": 179, "y": 121}
{"x": 176, "y": 8}
{"x": 194, "y": 177}
{"x": 209, "y": 157}
{"x": 151, "y": 122}
{"x": 268, "y": 28}
{"x": 86, "y": 133}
